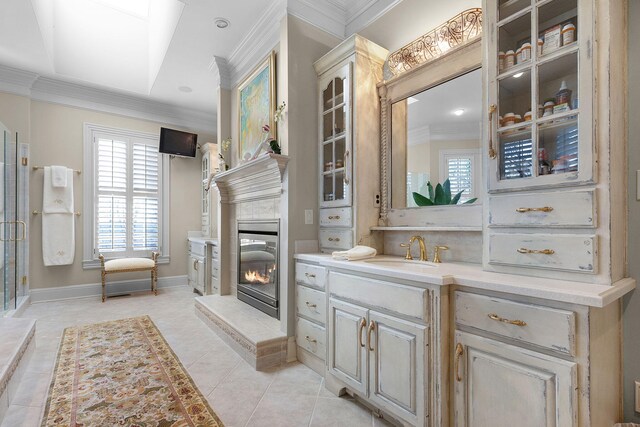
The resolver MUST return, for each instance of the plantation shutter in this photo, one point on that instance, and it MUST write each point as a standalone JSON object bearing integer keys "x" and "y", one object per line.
{"x": 517, "y": 159}
{"x": 460, "y": 174}
{"x": 128, "y": 203}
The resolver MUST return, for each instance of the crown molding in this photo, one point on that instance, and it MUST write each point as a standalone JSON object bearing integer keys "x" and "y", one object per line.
{"x": 258, "y": 42}
{"x": 39, "y": 88}
{"x": 220, "y": 67}
{"x": 363, "y": 13}
{"x": 328, "y": 16}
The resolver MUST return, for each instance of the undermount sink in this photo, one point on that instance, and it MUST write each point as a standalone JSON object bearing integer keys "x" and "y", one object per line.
{"x": 402, "y": 263}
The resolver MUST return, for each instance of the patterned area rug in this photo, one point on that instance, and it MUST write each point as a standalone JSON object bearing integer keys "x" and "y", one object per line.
{"x": 123, "y": 373}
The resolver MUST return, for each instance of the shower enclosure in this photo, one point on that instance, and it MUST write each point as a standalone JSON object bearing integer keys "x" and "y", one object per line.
{"x": 14, "y": 205}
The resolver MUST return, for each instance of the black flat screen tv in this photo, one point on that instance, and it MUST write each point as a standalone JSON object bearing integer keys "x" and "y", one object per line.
{"x": 178, "y": 143}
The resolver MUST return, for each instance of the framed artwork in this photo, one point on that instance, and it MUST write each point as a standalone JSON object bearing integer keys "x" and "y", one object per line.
{"x": 256, "y": 107}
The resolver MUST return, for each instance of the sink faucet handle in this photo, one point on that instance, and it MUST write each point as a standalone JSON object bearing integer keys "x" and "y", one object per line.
{"x": 408, "y": 246}
{"x": 436, "y": 253}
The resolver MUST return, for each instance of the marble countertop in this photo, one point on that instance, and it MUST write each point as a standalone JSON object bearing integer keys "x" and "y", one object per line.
{"x": 472, "y": 275}
{"x": 205, "y": 240}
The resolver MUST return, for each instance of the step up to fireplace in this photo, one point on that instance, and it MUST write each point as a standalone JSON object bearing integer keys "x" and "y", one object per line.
{"x": 253, "y": 334}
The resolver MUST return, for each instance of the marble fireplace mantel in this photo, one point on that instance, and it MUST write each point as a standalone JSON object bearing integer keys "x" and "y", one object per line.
{"x": 257, "y": 179}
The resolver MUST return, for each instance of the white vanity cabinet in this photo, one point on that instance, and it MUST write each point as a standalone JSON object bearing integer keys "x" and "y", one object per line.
{"x": 209, "y": 192}
{"x": 196, "y": 265}
{"x": 378, "y": 344}
{"x": 214, "y": 262}
{"x": 348, "y": 127}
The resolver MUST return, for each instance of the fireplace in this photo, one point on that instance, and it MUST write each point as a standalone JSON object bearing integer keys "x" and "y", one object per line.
{"x": 258, "y": 265}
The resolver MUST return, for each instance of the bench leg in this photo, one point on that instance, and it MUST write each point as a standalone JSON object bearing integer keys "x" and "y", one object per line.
{"x": 154, "y": 280}
{"x": 104, "y": 279}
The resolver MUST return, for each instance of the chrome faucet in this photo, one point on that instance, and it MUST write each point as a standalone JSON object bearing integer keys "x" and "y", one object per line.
{"x": 423, "y": 248}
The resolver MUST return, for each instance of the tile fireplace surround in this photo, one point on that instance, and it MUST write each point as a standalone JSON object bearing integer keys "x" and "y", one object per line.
{"x": 253, "y": 191}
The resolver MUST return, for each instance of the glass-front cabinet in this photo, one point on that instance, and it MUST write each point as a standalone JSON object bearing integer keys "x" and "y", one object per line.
{"x": 335, "y": 146}
{"x": 540, "y": 88}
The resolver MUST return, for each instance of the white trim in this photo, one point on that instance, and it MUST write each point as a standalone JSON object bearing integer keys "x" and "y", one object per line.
{"x": 259, "y": 41}
{"x": 476, "y": 167}
{"x": 89, "y": 260}
{"x": 40, "y": 88}
{"x": 328, "y": 16}
{"x": 95, "y": 289}
{"x": 220, "y": 67}
{"x": 367, "y": 14}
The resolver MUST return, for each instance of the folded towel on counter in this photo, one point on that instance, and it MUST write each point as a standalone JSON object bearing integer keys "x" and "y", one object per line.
{"x": 59, "y": 176}
{"x": 355, "y": 253}
{"x": 57, "y": 199}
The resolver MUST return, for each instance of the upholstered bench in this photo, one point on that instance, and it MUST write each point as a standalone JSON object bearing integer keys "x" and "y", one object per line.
{"x": 127, "y": 265}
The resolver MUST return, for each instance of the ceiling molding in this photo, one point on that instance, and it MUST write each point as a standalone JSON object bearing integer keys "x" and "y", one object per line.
{"x": 259, "y": 41}
{"x": 220, "y": 68}
{"x": 56, "y": 91}
{"x": 328, "y": 16}
{"x": 369, "y": 11}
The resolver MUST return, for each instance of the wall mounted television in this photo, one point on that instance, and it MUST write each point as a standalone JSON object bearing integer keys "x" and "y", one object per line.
{"x": 178, "y": 143}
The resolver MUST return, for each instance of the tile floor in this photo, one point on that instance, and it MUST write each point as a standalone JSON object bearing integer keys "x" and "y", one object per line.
{"x": 292, "y": 395}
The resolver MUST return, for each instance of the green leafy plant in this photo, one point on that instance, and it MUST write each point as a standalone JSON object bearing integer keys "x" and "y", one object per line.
{"x": 441, "y": 195}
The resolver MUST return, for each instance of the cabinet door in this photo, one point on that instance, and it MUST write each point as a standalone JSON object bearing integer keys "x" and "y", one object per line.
{"x": 335, "y": 138}
{"x": 397, "y": 361}
{"x": 539, "y": 65}
{"x": 200, "y": 275}
{"x": 500, "y": 385}
{"x": 192, "y": 273}
{"x": 347, "y": 352}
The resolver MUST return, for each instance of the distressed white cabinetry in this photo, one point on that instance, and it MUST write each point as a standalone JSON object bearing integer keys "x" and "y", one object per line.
{"x": 311, "y": 315}
{"x": 348, "y": 127}
{"x": 196, "y": 265}
{"x": 208, "y": 191}
{"x": 214, "y": 262}
{"x": 378, "y": 346}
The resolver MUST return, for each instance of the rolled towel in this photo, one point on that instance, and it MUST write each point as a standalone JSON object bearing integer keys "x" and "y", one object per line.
{"x": 355, "y": 253}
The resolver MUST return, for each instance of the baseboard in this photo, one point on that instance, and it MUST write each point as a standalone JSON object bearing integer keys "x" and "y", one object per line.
{"x": 95, "y": 289}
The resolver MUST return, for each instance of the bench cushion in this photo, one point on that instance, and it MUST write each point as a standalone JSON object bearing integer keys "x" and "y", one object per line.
{"x": 128, "y": 264}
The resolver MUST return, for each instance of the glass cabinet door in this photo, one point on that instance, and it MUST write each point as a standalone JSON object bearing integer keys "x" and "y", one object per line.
{"x": 335, "y": 139}
{"x": 539, "y": 66}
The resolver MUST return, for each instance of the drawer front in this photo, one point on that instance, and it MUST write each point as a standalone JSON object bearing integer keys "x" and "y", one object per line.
{"x": 311, "y": 337}
{"x": 197, "y": 248}
{"x": 311, "y": 304}
{"x": 336, "y": 238}
{"x": 215, "y": 252}
{"x": 557, "y": 209}
{"x": 543, "y": 326}
{"x": 311, "y": 275}
{"x": 215, "y": 286}
{"x": 568, "y": 252}
{"x": 377, "y": 294}
{"x": 215, "y": 270}
{"x": 337, "y": 217}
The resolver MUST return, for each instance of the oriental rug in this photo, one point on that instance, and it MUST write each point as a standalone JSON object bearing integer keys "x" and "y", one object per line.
{"x": 123, "y": 373}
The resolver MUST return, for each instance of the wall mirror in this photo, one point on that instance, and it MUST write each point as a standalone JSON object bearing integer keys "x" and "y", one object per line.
{"x": 426, "y": 141}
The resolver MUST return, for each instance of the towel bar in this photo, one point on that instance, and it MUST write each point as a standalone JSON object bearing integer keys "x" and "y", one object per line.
{"x": 42, "y": 167}
{"x": 34, "y": 212}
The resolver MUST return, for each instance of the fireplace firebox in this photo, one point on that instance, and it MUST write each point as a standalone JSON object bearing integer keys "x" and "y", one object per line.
{"x": 258, "y": 265}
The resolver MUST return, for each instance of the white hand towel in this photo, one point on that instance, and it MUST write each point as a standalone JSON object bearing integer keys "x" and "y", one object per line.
{"x": 57, "y": 199}
{"x": 58, "y": 176}
{"x": 58, "y": 238}
{"x": 355, "y": 253}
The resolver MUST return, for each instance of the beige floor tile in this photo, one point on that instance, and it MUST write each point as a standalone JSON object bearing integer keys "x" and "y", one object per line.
{"x": 33, "y": 389}
{"x": 343, "y": 412}
{"x": 234, "y": 402}
{"x": 210, "y": 369}
{"x": 298, "y": 379}
{"x": 22, "y": 416}
{"x": 283, "y": 410}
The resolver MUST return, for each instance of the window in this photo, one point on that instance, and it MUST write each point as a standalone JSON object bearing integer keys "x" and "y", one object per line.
{"x": 517, "y": 158}
{"x": 127, "y": 211}
{"x": 462, "y": 168}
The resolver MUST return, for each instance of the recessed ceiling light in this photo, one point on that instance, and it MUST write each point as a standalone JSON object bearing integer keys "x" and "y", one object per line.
{"x": 459, "y": 112}
{"x": 411, "y": 100}
{"x": 518, "y": 75}
{"x": 221, "y": 22}
{"x": 185, "y": 89}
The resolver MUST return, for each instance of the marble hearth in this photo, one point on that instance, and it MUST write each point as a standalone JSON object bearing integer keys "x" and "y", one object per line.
{"x": 250, "y": 192}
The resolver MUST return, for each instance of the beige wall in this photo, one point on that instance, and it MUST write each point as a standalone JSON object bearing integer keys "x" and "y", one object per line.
{"x": 55, "y": 135}
{"x": 631, "y": 304}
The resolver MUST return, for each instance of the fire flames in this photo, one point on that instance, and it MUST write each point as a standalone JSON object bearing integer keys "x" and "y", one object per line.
{"x": 255, "y": 277}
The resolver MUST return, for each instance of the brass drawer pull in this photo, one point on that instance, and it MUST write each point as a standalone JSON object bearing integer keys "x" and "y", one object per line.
{"x": 332, "y": 239}
{"x": 311, "y": 340}
{"x": 310, "y": 305}
{"x": 371, "y": 328}
{"x": 310, "y": 275}
{"x": 334, "y": 216}
{"x": 363, "y": 323}
{"x": 542, "y": 209}
{"x": 536, "y": 251}
{"x": 497, "y": 318}
{"x": 456, "y": 367}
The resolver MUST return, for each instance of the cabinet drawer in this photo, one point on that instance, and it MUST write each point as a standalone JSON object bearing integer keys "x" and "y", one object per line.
{"x": 311, "y": 275}
{"x": 197, "y": 248}
{"x": 336, "y": 238}
{"x": 543, "y": 326}
{"x": 215, "y": 286}
{"x": 215, "y": 270}
{"x": 311, "y": 337}
{"x": 215, "y": 252}
{"x": 557, "y": 209}
{"x": 401, "y": 299}
{"x": 569, "y": 252}
{"x": 311, "y": 304}
{"x": 337, "y": 217}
